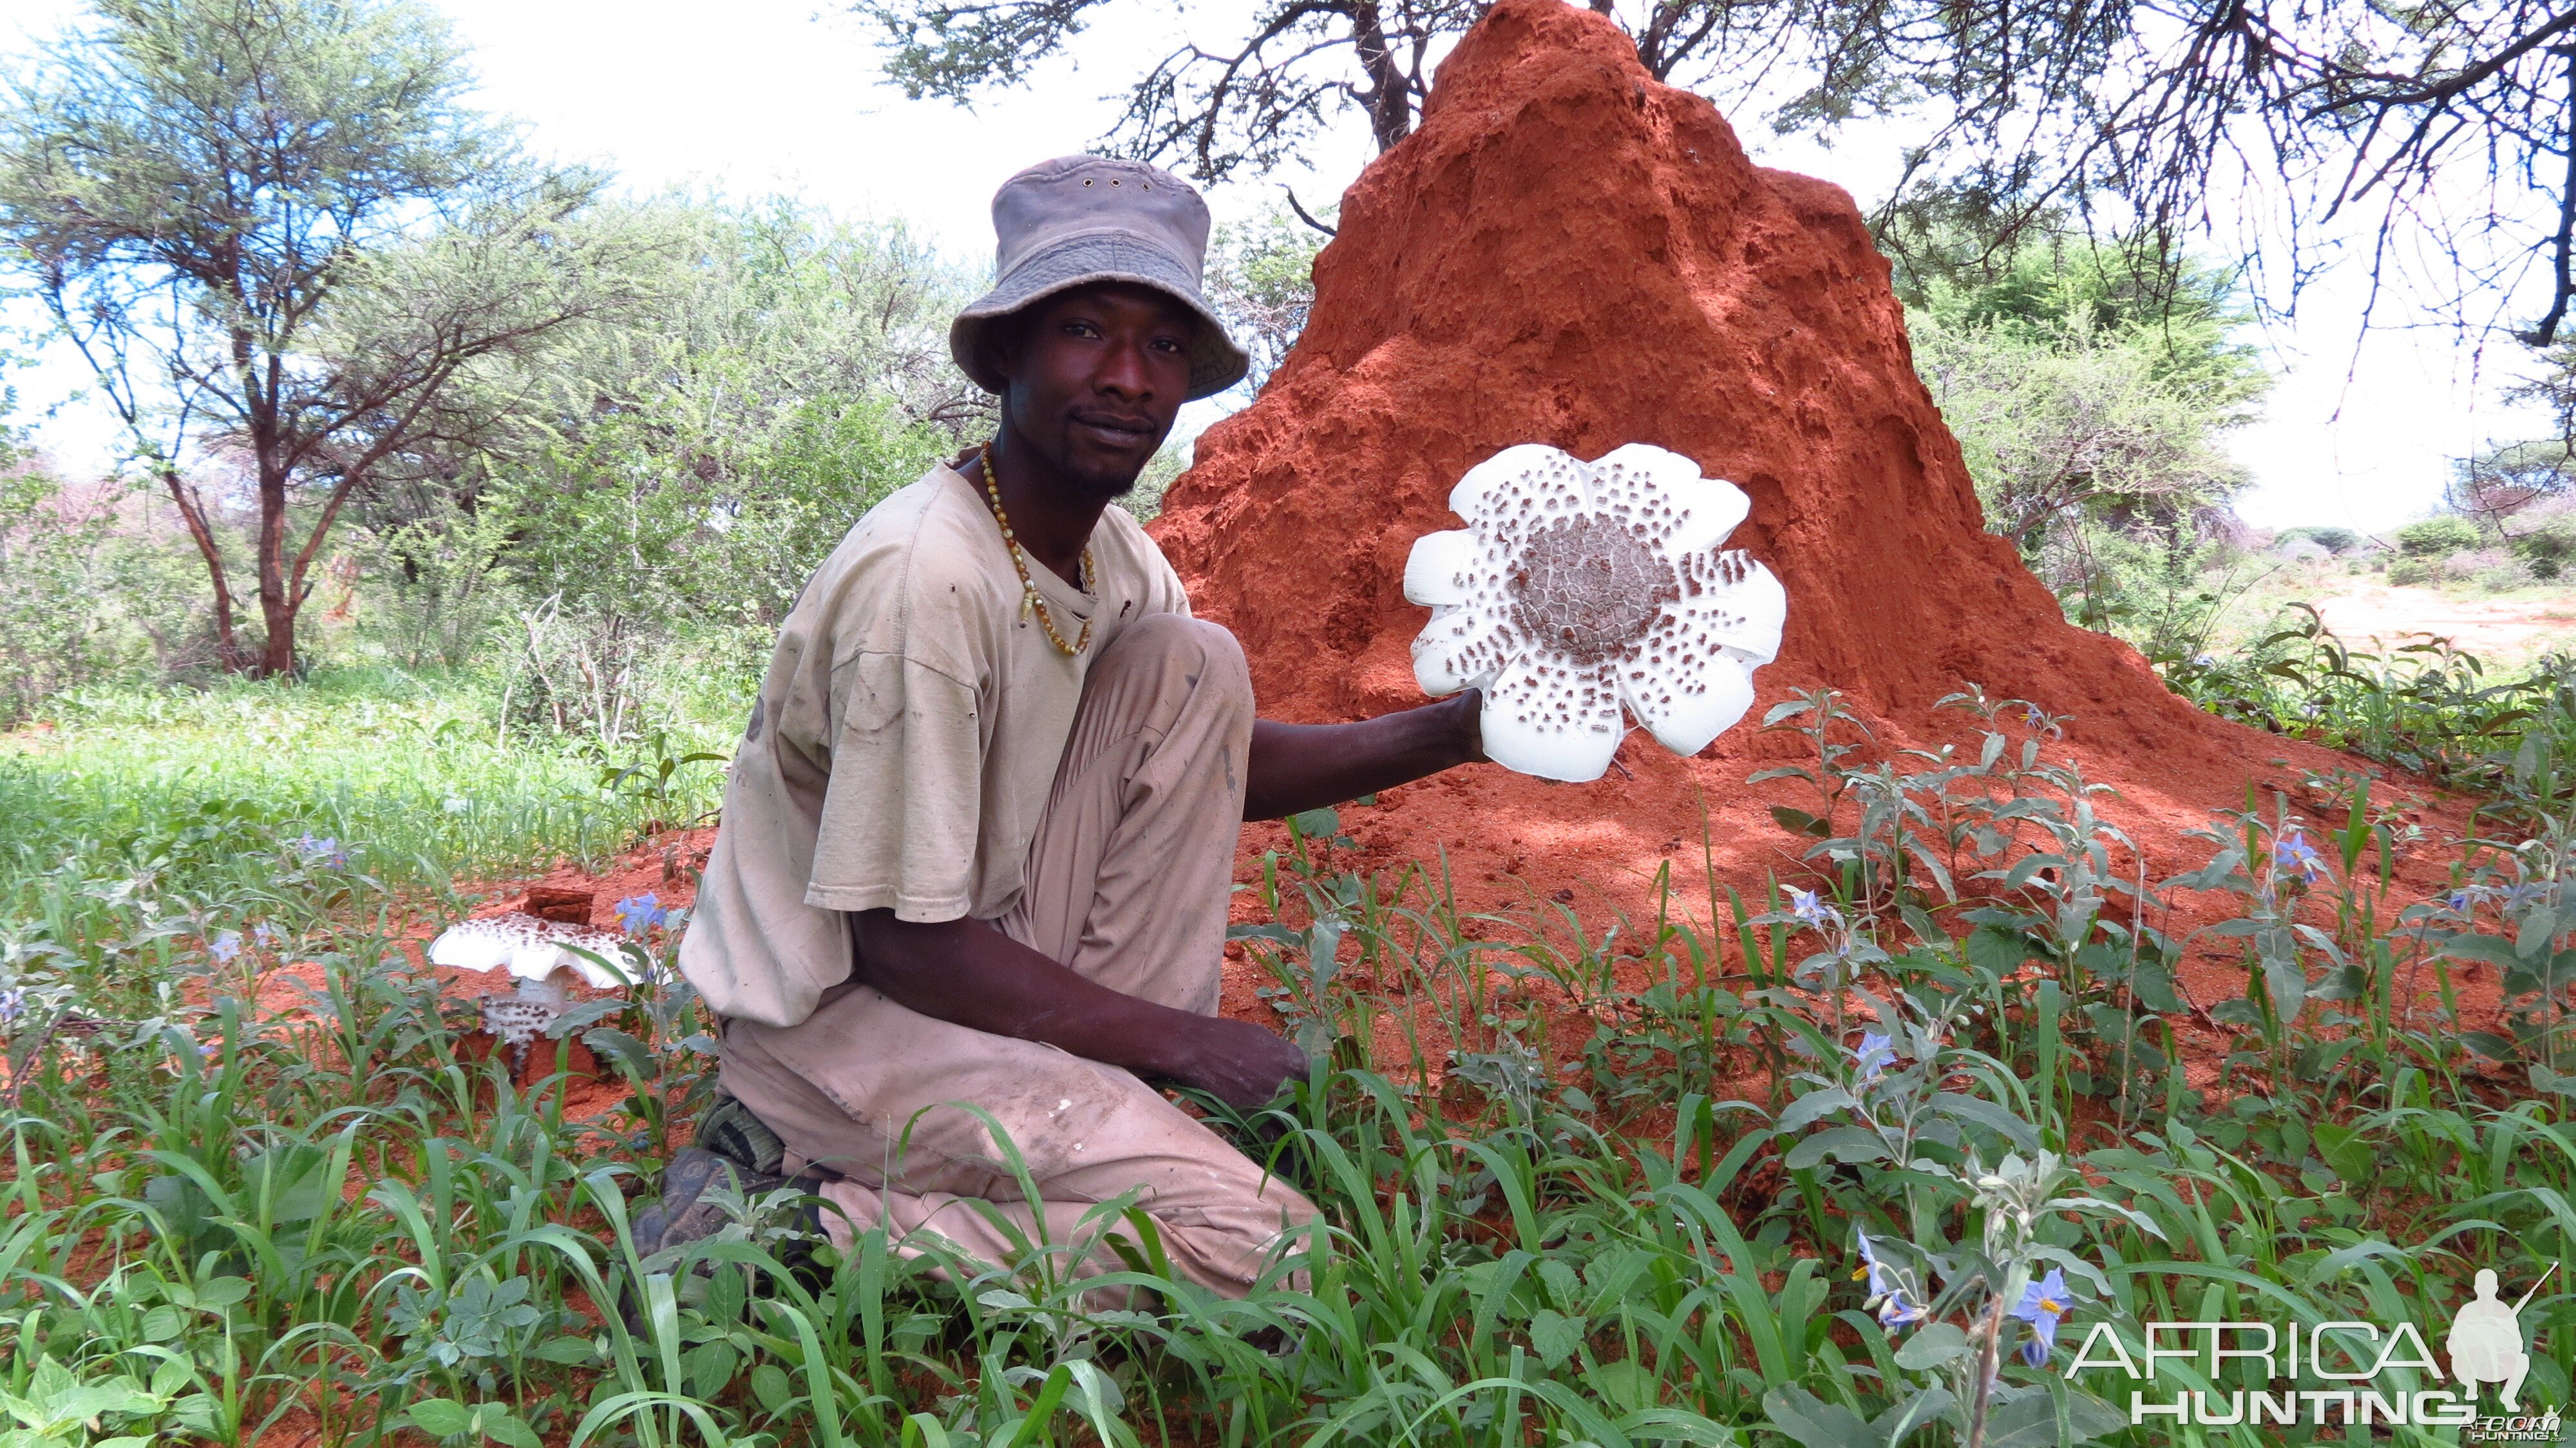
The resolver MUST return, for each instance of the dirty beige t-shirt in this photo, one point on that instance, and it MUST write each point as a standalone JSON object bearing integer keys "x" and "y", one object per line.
{"x": 904, "y": 742}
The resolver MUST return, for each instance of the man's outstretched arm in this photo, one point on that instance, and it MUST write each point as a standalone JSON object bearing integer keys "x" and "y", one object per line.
{"x": 1306, "y": 766}
{"x": 970, "y": 974}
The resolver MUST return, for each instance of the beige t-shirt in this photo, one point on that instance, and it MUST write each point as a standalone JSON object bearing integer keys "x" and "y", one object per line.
{"x": 904, "y": 742}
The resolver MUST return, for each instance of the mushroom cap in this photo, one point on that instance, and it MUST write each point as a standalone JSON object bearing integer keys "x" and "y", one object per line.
{"x": 1579, "y": 591}
{"x": 532, "y": 948}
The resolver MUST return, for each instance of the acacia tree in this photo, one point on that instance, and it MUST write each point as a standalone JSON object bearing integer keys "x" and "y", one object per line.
{"x": 278, "y": 236}
{"x": 2335, "y": 117}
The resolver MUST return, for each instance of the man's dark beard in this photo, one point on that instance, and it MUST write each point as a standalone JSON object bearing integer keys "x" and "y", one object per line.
{"x": 1110, "y": 488}
{"x": 1106, "y": 488}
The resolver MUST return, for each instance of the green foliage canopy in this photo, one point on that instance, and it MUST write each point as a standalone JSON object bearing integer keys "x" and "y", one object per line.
{"x": 278, "y": 235}
{"x": 2327, "y": 113}
{"x": 2437, "y": 537}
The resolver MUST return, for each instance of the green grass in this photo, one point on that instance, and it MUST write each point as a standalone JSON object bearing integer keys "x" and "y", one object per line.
{"x": 408, "y": 775}
{"x": 1606, "y": 1191}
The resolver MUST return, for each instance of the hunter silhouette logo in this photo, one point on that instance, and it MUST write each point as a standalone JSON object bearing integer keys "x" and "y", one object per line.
{"x": 2486, "y": 1340}
{"x": 2352, "y": 1359}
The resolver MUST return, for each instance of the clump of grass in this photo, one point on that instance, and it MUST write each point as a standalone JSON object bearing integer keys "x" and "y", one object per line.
{"x": 2425, "y": 707}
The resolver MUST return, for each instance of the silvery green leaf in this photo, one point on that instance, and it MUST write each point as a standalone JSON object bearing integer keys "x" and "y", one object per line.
{"x": 1815, "y": 1423}
{"x": 1849, "y": 1143}
{"x": 1804, "y": 1111}
{"x": 1931, "y": 1346}
{"x": 1898, "y": 1423}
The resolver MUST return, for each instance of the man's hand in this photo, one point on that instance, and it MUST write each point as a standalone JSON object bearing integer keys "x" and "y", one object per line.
{"x": 970, "y": 974}
{"x": 1306, "y": 766}
{"x": 1240, "y": 1064}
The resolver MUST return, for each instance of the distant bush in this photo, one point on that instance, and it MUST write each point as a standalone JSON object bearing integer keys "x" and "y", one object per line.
{"x": 2546, "y": 544}
{"x": 2332, "y": 540}
{"x": 2413, "y": 570}
{"x": 86, "y": 596}
{"x": 2435, "y": 537}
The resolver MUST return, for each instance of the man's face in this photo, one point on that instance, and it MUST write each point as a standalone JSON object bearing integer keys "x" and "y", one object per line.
{"x": 1096, "y": 377}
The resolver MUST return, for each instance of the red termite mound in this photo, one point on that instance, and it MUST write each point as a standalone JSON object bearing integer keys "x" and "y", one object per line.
{"x": 1568, "y": 252}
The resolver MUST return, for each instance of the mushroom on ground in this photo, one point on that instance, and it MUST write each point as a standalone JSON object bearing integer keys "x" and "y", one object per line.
{"x": 543, "y": 954}
{"x": 1578, "y": 588}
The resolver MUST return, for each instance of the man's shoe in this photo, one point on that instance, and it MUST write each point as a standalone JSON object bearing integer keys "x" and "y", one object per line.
{"x": 730, "y": 1130}
{"x": 685, "y": 1214}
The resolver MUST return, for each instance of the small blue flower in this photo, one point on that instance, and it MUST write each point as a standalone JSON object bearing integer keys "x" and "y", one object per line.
{"x": 642, "y": 913}
{"x": 13, "y": 1004}
{"x": 225, "y": 947}
{"x": 1896, "y": 1312}
{"x": 2044, "y": 1304}
{"x": 1806, "y": 906}
{"x": 263, "y": 932}
{"x": 1874, "y": 1054}
{"x": 1881, "y": 1281}
{"x": 2293, "y": 852}
{"x": 324, "y": 850}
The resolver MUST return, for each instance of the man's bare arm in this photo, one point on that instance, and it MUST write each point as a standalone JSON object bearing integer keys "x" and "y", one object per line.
{"x": 970, "y": 974}
{"x": 1305, "y": 766}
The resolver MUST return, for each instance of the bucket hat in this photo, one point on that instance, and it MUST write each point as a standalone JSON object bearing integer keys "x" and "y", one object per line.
{"x": 1081, "y": 219}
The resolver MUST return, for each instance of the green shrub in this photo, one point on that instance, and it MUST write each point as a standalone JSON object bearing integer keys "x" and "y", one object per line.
{"x": 2547, "y": 545}
{"x": 2436, "y": 537}
{"x": 2414, "y": 570}
{"x": 85, "y": 596}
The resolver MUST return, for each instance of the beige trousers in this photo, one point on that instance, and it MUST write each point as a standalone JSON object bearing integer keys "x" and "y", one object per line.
{"x": 1128, "y": 880}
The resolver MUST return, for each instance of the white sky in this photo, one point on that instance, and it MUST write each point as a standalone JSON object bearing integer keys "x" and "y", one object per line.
{"x": 765, "y": 95}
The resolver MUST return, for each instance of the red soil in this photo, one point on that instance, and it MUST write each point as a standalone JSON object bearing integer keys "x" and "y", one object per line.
{"x": 1568, "y": 252}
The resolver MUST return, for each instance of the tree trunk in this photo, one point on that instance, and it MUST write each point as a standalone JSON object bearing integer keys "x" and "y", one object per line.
{"x": 1390, "y": 97}
{"x": 202, "y": 533}
{"x": 277, "y": 602}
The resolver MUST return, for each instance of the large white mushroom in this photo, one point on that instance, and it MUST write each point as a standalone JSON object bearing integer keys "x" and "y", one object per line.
{"x": 544, "y": 954}
{"x": 1578, "y": 589}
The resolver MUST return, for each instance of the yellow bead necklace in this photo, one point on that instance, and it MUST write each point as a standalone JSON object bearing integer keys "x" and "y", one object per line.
{"x": 1029, "y": 600}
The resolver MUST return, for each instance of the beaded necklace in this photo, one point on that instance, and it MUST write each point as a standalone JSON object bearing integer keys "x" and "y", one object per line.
{"x": 1029, "y": 600}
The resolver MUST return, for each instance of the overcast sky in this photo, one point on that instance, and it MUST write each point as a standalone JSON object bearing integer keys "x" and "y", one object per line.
{"x": 765, "y": 95}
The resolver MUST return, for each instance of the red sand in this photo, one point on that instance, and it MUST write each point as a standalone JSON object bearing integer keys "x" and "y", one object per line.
{"x": 1568, "y": 252}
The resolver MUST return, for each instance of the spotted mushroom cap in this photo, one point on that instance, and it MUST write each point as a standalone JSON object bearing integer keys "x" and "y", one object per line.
{"x": 1578, "y": 589}
{"x": 532, "y": 948}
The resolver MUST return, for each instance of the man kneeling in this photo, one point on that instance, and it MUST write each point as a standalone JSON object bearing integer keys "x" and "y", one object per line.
{"x": 979, "y": 837}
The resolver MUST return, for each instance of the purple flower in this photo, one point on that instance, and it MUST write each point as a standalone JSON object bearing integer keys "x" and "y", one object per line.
{"x": 2293, "y": 852}
{"x": 1881, "y": 1281}
{"x": 1896, "y": 1312}
{"x": 325, "y": 850}
{"x": 225, "y": 946}
{"x": 1875, "y": 1054}
{"x": 1806, "y": 906}
{"x": 13, "y": 1004}
{"x": 2043, "y": 1305}
{"x": 642, "y": 913}
{"x": 263, "y": 933}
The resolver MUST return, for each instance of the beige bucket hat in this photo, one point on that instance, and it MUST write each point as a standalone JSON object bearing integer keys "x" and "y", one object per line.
{"x": 1081, "y": 219}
